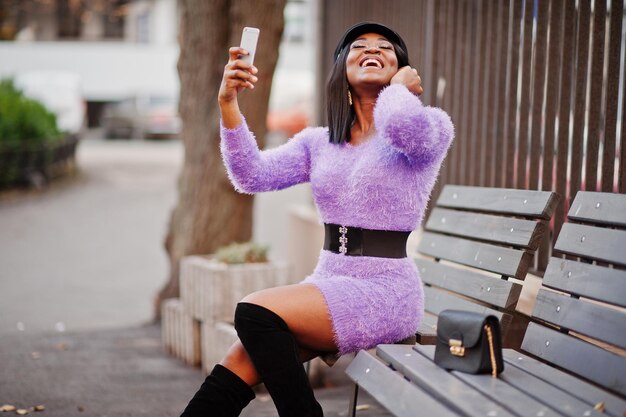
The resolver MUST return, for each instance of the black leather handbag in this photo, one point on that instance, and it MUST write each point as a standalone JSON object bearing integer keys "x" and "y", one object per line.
{"x": 469, "y": 342}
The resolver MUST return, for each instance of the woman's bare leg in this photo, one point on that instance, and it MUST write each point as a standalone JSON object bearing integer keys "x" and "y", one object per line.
{"x": 304, "y": 309}
{"x": 238, "y": 361}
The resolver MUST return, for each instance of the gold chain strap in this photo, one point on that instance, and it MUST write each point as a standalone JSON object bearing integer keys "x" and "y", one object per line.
{"x": 492, "y": 353}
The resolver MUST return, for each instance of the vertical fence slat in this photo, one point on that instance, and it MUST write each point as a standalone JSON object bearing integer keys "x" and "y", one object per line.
{"x": 499, "y": 138}
{"x": 450, "y": 33}
{"x": 455, "y": 93}
{"x": 621, "y": 182}
{"x": 582, "y": 50}
{"x": 449, "y": 77}
{"x": 483, "y": 69}
{"x": 490, "y": 120}
{"x": 552, "y": 92}
{"x": 612, "y": 95}
{"x": 464, "y": 130}
{"x": 525, "y": 93}
{"x": 439, "y": 52}
{"x": 440, "y": 72}
{"x": 538, "y": 88}
{"x": 472, "y": 96}
{"x": 595, "y": 96}
{"x": 430, "y": 37}
{"x": 565, "y": 102}
{"x": 421, "y": 39}
{"x": 511, "y": 94}
{"x": 621, "y": 179}
{"x": 537, "y": 128}
{"x": 469, "y": 91}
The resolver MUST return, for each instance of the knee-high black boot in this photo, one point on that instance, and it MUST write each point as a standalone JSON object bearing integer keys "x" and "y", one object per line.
{"x": 274, "y": 353}
{"x": 223, "y": 394}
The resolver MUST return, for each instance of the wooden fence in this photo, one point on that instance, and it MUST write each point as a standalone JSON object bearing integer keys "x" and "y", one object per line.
{"x": 535, "y": 88}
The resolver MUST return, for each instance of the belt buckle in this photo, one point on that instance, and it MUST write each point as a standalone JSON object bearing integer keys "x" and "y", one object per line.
{"x": 343, "y": 240}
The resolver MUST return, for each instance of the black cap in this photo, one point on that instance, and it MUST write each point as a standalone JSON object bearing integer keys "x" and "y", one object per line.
{"x": 368, "y": 27}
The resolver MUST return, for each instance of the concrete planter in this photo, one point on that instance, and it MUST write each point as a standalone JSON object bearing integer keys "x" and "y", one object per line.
{"x": 210, "y": 290}
{"x": 180, "y": 333}
{"x": 198, "y": 327}
{"x": 36, "y": 163}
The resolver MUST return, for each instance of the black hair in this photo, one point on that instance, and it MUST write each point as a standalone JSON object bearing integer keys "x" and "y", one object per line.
{"x": 340, "y": 113}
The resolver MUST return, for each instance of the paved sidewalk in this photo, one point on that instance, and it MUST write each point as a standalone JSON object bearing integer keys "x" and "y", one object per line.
{"x": 87, "y": 252}
{"x": 118, "y": 373}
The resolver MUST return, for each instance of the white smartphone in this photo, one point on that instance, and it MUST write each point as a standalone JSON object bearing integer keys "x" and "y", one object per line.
{"x": 249, "y": 39}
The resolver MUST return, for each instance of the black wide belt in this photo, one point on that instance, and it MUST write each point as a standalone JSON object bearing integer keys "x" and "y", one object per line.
{"x": 355, "y": 241}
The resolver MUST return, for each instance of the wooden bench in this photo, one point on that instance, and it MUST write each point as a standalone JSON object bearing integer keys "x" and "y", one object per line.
{"x": 578, "y": 329}
{"x": 478, "y": 239}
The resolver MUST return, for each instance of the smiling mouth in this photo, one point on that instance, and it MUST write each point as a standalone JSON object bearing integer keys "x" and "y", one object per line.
{"x": 371, "y": 63}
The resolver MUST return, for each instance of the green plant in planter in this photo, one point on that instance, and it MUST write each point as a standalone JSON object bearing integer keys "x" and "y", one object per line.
{"x": 241, "y": 253}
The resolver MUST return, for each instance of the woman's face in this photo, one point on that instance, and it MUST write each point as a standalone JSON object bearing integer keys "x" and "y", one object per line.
{"x": 371, "y": 61}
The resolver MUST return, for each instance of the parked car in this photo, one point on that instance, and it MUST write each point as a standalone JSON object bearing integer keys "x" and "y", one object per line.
{"x": 149, "y": 116}
{"x": 60, "y": 92}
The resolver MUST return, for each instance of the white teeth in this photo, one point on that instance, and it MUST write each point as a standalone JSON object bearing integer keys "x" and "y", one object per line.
{"x": 369, "y": 61}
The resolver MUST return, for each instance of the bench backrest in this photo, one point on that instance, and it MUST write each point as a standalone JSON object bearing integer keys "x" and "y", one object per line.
{"x": 581, "y": 307}
{"x": 484, "y": 236}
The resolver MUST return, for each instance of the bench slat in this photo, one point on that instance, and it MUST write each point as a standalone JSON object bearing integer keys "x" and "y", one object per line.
{"x": 550, "y": 395}
{"x": 602, "y": 208}
{"x": 586, "y": 280}
{"x": 589, "y": 319}
{"x": 593, "y": 242}
{"x": 504, "y": 261}
{"x": 506, "y": 201}
{"x": 498, "y": 292}
{"x": 436, "y": 301}
{"x": 497, "y": 390}
{"x": 498, "y": 229}
{"x": 386, "y": 386}
{"x": 587, "y": 392}
{"x": 589, "y": 361}
{"x": 438, "y": 382}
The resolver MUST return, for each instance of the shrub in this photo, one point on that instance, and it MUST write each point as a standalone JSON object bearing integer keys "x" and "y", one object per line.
{"x": 29, "y": 138}
{"x": 24, "y": 121}
{"x": 241, "y": 253}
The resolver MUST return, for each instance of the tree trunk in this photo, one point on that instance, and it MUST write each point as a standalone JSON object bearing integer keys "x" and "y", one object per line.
{"x": 209, "y": 212}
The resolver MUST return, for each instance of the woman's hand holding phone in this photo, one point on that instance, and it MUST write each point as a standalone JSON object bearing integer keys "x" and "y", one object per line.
{"x": 410, "y": 78}
{"x": 237, "y": 75}
{"x": 239, "y": 72}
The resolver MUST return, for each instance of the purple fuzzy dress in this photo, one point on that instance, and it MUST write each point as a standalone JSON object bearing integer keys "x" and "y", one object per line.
{"x": 383, "y": 183}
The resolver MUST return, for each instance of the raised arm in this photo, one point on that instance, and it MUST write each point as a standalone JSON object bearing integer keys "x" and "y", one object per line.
{"x": 252, "y": 171}
{"x": 249, "y": 169}
{"x": 237, "y": 76}
{"x": 422, "y": 133}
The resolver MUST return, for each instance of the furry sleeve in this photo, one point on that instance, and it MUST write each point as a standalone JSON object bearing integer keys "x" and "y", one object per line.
{"x": 422, "y": 133}
{"x": 251, "y": 170}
